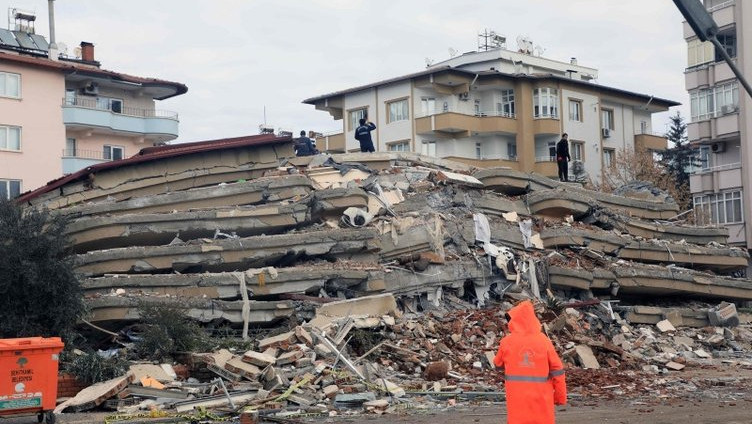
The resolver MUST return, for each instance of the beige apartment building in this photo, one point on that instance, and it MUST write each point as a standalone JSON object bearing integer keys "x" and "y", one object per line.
{"x": 720, "y": 123}
{"x": 498, "y": 108}
{"x": 61, "y": 113}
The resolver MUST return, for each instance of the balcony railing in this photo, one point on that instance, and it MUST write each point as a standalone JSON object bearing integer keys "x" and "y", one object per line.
{"x": 545, "y": 158}
{"x": 729, "y": 166}
{"x": 84, "y": 154}
{"x": 465, "y": 111}
{"x": 117, "y": 107}
{"x": 720, "y": 6}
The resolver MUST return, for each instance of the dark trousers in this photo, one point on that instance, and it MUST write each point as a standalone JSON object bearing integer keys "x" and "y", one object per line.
{"x": 563, "y": 169}
{"x": 367, "y": 146}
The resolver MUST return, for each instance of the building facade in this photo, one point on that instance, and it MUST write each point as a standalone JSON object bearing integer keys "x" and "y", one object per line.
{"x": 61, "y": 114}
{"x": 720, "y": 121}
{"x": 498, "y": 108}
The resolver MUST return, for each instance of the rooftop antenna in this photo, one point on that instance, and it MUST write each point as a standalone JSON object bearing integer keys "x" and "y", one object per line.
{"x": 452, "y": 52}
{"x": 489, "y": 40}
{"x": 429, "y": 62}
{"x": 524, "y": 44}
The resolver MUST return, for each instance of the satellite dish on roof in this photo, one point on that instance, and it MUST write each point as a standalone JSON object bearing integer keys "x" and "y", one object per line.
{"x": 452, "y": 52}
{"x": 524, "y": 44}
{"x": 539, "y": 50}
{"x": 77, "y": 52}
{"x": 429, "y": 62}
{"x": 62, "y": 48}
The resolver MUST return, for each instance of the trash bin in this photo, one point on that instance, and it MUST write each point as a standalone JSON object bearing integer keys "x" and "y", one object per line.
{"x": 28, "y": 376}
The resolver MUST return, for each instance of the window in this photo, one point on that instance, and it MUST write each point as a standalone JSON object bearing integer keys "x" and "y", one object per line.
{"x": 699, "y": 52}
{"x": 512, "y": 151}
{"x": 546, "y": 103}
{"x": 355, "y": 117}
{"x": 728, "y": 41}
{"x": 710, "y": 102}
{"x": 10, "y": 138}
{"x": 428, "y": 106}
{"x": 578, "y": 151}
{"x": 704, "y": 153}
{"x": 10, "y": 85}
{"x": 70, "y": 147}
{"x": 70, "y": 97}
{"x": 429, "y": 148}
{"x": 113, "y": 152}
{"x": 506, "y": 106}
{"x": 720, "y": 208}
{"x": 478, "y": 112}
{"x": 607, "y": 119}
{"x": 108, "y": 103}
{"x": 575, "y": 110}
{"x": 644, "y": 127}
{"x": 10, "y": 189}
{"x": 400, "y": 146}
{"x": 609, "y": 158}
{"x": 478, "y": 151}
{"x": 398, "y": 111}
{"x": 552, "y": 150}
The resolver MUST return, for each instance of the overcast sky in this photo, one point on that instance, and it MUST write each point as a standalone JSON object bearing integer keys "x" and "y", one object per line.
{"x": 238, "y": 57}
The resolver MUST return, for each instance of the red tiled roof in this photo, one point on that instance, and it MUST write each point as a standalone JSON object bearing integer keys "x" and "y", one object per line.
{"x": 71, "y": 67}
{"x": 156, "y": 153}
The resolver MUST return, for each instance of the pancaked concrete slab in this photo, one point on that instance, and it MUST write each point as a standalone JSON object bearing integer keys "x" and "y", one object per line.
{"x": 232, "y": 254}
{"x": 170, "y": 174}
{"x": 226, "y": 285}
{"x": 142, "y": 229}
{"x": 384, "y": 160}
{"x": 490, "y": 203}
{"x": 719, "y": 259}
{"x": 332, "y": 202}
{"x": 126, "y": 309}
{"x": 695, "y": 235}
{"x": 257, "y": 191}
{"x": 559, "y": 203}
{"x": 375, "y": 306}
{"x": 452, "y": 274}
{"x": 598, "y": 240}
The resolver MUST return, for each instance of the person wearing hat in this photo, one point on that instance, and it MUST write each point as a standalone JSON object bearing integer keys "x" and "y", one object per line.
{"x": 533, "y": 373}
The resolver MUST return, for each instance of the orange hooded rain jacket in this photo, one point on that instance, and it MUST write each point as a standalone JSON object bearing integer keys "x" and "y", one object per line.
{"x": 533, "y": 372}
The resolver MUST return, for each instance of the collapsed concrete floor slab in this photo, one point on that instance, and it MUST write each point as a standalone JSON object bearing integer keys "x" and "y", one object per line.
{"x": 232, "y": 254}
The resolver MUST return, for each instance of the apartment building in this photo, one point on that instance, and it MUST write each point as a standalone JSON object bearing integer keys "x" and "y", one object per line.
{"x": 498, "y": 108}
{"x": 60, "y": 113}
{"x": 720, "y": 124}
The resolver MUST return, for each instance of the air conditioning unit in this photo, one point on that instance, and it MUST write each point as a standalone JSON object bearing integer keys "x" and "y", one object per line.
{"x": 464, "y": 96}
{"x": 718, "y": 147}
{"x": 726, "y": 109}
{"x": 91, "y": 89}
{"x": 606, "y": 132}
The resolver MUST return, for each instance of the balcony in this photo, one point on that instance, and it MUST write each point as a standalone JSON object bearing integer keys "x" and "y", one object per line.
{"x": 461, "y": 123}
{"x": 651, "y": 142}
{"x": 331, "y": 142}
{"x": 86, "y": 113}
{"x": 716, "y": 178}
{"x": 546, "y": 166}
{"x": 487, "y": 163}
{"x": 723, "y": 13}
{"x": 77, "y": 159}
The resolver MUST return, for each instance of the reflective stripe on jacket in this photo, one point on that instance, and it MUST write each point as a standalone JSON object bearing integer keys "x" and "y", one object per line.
{"x": 533, "y": 373}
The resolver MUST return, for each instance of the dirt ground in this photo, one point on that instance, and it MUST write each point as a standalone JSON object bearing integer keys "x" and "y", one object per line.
{"x": 719, "y": 395}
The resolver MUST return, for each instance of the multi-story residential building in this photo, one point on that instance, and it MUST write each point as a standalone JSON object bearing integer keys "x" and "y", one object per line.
{"x": 498, "y": 108}
{"x": 59, "y": 114}
{"x": 720, "y": 124}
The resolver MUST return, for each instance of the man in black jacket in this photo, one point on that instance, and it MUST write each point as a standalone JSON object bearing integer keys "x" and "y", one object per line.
{"x": 563, "y": 158}
{"x": 363, "y": 135}
{"x": 304, "y": 146}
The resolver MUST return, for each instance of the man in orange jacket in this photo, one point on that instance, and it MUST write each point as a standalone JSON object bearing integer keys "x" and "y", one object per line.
{"x": 533, "y": 372}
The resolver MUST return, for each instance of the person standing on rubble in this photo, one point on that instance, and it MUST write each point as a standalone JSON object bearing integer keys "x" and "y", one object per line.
{"x": 363, "y": 135}
{"x": 304, "y": 146}
{"x": 533, "y": 373}
{"x": 563, "y": 158}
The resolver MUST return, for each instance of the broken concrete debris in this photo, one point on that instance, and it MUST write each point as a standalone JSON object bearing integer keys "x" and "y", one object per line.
{"x": 398, "y": 268}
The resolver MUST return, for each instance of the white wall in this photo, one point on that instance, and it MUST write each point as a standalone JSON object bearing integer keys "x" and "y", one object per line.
{"x": 365, "y": 98}
{"x": 586, "y": 131}
{"x": 394, "y": 131}
{"x": 495, "y": 146}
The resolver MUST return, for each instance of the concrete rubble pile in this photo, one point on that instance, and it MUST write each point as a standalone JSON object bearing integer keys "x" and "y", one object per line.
{"x": 409, "y": 263}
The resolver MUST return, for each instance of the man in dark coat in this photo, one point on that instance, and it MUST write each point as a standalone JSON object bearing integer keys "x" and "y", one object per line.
{"x": 563, "y": 158}
{"x": 363, "y": 135}
{"x": 304, "y": 146}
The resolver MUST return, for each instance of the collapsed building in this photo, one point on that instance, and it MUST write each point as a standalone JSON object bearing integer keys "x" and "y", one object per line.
{"x": 234, "y": 228}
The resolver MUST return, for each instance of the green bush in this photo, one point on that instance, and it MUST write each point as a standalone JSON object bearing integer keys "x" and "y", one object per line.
{"x": 91, "y": 368}
{"x": 166, "y": 329}
{"x": 39, "y": 293}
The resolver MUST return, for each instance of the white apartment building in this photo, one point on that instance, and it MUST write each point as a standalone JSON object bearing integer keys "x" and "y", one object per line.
{"x": 720, "y": 123}
{"x": 498, "y": 108}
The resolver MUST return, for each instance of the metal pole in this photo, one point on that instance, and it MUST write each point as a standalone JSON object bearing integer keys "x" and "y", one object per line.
{"x": 719, "y": 47}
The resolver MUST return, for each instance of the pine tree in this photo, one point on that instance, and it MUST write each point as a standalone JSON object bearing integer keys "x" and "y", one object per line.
{"x": 679, "y": 158}
{"x": 39, "y": 293}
